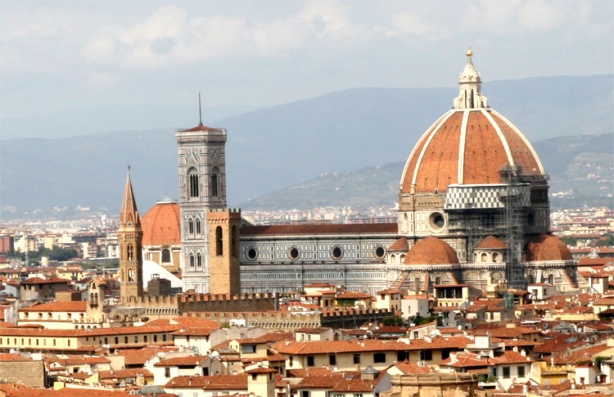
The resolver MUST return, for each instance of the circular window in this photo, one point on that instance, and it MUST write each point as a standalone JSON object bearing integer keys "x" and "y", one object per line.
{"x": 380, "y": 252}
{"x": 337, "y": 252}
{"x": 294, "y": 253}
{"x": 437, "y": 221}
{"x": 252, "y": 253}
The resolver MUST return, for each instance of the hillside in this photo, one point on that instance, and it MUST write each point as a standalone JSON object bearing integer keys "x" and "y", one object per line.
{"x": 326, "y": 138}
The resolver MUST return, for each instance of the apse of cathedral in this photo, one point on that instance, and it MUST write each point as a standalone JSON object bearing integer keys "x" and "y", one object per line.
{"x": 473, "y": 212}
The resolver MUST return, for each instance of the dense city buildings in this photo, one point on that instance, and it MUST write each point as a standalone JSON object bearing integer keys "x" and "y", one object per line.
{"x": 471, "y": 286}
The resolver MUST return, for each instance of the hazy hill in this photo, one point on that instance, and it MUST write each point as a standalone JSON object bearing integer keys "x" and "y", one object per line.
{"x": 274, "y": 148}
{"x": 570, "y": 161}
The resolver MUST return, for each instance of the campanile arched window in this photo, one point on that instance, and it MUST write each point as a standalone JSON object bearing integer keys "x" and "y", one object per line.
{"x": 214, "y": 183}
{"x": 193, "y": 190}
{"x": 219, "y": 241}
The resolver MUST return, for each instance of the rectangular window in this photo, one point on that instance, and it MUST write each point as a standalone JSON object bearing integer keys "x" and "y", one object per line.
{"x": 248, "y": 349}
{"x": 125, "y": 339}
{"x": 167, "y": 372}
{"x": 310, "y": 361}
{"x": 136, "y": 339}
{"x": 332, "y": 359}
{"x": 356, "y": 358}
{"x": 426, "y": 355}
{"x": 416, "y": 335}
{"x": 305, "y": 393}
{"x": 155, "y": 338}
{"x": 521, "y": 371}
{"x": 379, "y": 357}
{"x": 116, "y": 340}
{"x": 506, "y": 372}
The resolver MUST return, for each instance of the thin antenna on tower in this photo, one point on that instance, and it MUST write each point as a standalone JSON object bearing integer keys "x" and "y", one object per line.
{"x": 200, "y": 111}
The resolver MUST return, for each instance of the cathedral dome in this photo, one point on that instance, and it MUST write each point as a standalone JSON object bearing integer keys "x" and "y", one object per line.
{"x": 547, "y": 248}
{"x": 161, "y": 225}
{"x": 431, "y": 251}
{"x": 470, "y": 144}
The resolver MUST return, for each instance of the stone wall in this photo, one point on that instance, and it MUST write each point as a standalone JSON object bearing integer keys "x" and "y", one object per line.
{"x": 29, "y": 373}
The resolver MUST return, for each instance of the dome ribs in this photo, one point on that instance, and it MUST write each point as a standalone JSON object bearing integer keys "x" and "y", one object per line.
{"x": 523, "y": 153}
{"x": 409, "y": 173}
{"x": 483, "y": 148}
{"x": 439, "y": 163}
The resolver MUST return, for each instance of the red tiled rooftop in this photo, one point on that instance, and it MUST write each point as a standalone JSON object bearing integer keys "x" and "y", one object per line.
{"x": 72, "y": 306}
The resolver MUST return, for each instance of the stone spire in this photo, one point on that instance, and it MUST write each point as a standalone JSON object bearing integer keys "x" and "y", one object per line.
{"x": 130, "y": 238}
{"x": 130, "y": 214}
{"x": 470, "y": 96}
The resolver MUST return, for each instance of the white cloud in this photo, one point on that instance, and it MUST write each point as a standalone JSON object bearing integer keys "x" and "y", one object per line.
{"x": 517, "y": 17}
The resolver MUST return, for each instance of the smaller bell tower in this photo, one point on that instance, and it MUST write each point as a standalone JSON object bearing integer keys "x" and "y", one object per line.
{"x": 224, "y": 250}
{"x": 130, "y": 238}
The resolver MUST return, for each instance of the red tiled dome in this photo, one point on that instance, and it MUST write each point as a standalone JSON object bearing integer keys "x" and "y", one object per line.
{"x": 469, "y": 144}
{"x": 431, "y": 251}
{"x": 491, "y": 242}
{"x": 161, "y": 225}
{"x": 547, "y": 248}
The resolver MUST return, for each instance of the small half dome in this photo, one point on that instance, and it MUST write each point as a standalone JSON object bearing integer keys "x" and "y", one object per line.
{"x": 431, "y": 251}
{"x": 491, "y": 243}
{"x": 547, "y": 248}
{"x": 161, "y": 225}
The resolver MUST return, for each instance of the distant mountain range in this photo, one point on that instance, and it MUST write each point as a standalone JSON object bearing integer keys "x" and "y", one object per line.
{"x": 344, "y": 147}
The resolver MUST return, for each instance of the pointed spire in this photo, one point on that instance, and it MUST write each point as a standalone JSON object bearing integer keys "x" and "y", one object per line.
{"x": 130, "y": 214}
{"x": 470, "y": 96}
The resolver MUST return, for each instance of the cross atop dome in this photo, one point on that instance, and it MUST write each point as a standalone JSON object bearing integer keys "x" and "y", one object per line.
{"x": 470, "y": 96}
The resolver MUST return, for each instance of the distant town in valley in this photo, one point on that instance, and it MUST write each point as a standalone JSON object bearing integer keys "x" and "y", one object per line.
{"x": 478, "y": 278}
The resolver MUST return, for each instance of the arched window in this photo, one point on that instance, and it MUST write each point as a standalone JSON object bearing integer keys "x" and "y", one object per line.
{"x": 193, "y": 183}
{"x": 417, "y": 283}
{"x": 191, "y": 226}
{"x": 484, "y": 257}
{"x": 166, "y": 255}
{"x": 437, "y": 280}
{"x": 551, "y": 279}
{"x": 197, "y": 226}
{"x": 131, "y": 275}
{"x": 192, "y": 261}
{"x": 496, "y": 257}
{"x": 214, "y": 183}
{"x": 130, "y": 252}
{"x": 199, "y": 260}
{"x": 219, "y": 241}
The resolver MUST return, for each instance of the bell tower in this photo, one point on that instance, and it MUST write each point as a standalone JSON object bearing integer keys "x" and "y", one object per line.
{"x": 202, "y": 187}
{"x": 130, "y": 238}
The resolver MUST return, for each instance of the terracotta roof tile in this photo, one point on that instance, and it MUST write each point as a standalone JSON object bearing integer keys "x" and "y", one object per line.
{"x": 431, "y": 251}
{"x": 72, "y": 306}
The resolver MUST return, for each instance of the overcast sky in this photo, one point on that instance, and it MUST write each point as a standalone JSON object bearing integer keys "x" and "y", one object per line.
{"x": 59, "y": 55}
